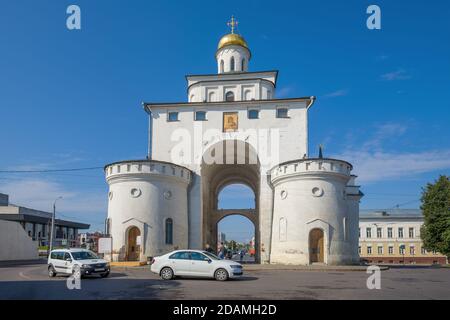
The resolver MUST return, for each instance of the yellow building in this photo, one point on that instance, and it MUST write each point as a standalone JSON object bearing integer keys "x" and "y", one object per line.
{"x": 393, "y": 237}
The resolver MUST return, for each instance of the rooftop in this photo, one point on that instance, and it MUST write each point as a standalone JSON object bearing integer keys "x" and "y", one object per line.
{"x": 370, "y": 214}
{"x": 13, "y": 212}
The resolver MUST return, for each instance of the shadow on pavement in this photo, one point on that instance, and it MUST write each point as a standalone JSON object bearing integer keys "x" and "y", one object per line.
{"x": 112, "y": 289}
{"x": 243, "y": 278}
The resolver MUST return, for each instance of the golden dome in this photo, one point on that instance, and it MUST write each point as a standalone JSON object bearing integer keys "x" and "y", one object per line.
{"x": 232, "y": 39}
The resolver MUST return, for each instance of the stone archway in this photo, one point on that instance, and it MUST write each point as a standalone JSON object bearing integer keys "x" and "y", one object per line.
{"x": 133, "y": 245}
{"x": 247, "y": 214}
{"x": 236, "y": 168}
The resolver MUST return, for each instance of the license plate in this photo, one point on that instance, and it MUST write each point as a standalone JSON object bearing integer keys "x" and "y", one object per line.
{"x": 99, "y": 269}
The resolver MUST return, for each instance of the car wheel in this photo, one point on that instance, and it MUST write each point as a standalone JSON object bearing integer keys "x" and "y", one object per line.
{"x": 166, "y": 273}
{"x": 51, "y": 272}
{"x": 104, "y": 275}
{"x": 221, "y": 275}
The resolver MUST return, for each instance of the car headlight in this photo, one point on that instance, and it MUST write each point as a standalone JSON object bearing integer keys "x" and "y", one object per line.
{"x": 235, "y": 266}
{"x": 85, "y": 266}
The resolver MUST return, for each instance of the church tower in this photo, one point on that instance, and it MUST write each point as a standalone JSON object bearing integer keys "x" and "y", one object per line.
{"x": 233, "y": 54}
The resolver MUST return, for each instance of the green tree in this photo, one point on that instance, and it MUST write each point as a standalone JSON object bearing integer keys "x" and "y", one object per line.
{"x": 436, "y": 211}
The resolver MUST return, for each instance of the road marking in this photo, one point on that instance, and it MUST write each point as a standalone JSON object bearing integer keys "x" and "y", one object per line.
{"x": 22, "y": 275}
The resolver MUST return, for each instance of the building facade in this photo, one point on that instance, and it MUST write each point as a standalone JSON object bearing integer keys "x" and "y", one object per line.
{"x": 233, "y": 129}
{"x": 393, "y": 237}
{"x": 37, "y": 224}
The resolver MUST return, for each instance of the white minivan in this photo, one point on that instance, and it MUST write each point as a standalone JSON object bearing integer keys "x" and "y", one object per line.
{"x": 69, "y": 261}
{"x": 194, "y": 263}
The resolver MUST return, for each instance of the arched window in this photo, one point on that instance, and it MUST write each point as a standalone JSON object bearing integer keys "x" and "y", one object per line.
{"x": 243, "y": 64}
{"x": 212, "y": 97}
{"x": 247, "y": 95}
{"x": 229, "y": 96}
{"x": 221, "y": 66}
{"x": 169, "y": 231}
{"x": 232, "y": 64}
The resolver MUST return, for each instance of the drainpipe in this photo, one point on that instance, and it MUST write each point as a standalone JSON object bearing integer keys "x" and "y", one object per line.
{"x": 312, "y": 99}
{"x": 269, "y": 182}
{"x": 150, "y": 130}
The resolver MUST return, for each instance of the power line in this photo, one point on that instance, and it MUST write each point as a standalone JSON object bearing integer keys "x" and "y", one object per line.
{"x": 50, "y": 170}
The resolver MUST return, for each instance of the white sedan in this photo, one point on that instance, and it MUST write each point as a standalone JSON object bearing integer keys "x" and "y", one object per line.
{"x": 194, "y": 263}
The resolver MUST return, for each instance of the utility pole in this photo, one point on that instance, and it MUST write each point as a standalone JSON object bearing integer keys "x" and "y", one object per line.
{"x": 52, "y": 230}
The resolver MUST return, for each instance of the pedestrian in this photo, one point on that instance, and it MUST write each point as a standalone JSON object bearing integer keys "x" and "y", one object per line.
{"x": 208, "y": 248}
{"x": 221, "y": 251}
{"x": 241, "y": 255}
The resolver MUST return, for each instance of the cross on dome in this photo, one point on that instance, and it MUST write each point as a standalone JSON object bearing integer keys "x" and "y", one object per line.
{"x": 233, "y": 23}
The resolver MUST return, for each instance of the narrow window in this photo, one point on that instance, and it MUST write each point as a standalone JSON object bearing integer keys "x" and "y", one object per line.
{"x": 173, "y": 116}
{"x": 411, "y": 232}
{"x": 379, "y": 233}
{"x": 369, "y": 233}
{"x": 169, "y": 231}
{"x": 282, "y": 113}
{"x": 253, "y": 114}
{"x": 389, "y": 233}
{"x": 200, "y": 116}
{"x": 380, "y": 250}
{"x": 400, "y": 232}
{"x": 369, "y": 250}
{"x": 243, "y": 65}
{"x": 229, "y": 96}
{"x": 232, "y": 64}
{"x": 391, "y": 250}
{"x": 221, "y": 66}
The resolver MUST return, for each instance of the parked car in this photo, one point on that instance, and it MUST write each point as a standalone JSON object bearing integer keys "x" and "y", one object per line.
{"x": 194, "y": 263}
{"x": 69, "y": 261}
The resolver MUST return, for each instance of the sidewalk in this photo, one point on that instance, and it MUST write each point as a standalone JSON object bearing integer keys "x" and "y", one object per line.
{"x": 315, "y": 267}
{"x": 13, "y": 263}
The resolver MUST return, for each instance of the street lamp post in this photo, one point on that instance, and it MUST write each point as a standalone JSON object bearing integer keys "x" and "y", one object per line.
{"x": 52, "y": 230}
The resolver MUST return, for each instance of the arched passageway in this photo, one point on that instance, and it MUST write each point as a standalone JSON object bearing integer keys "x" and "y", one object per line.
{"x": 227, "y": 163}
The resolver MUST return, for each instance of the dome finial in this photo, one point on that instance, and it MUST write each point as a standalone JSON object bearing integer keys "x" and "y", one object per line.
{"x": 232, "y": 23}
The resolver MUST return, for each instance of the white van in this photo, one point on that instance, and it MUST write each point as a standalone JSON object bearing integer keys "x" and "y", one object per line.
{"x": 68, "y": 261}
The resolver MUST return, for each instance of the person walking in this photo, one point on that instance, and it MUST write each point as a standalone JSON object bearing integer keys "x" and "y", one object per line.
{"x": 221, "y": 251}
{"x": 208, "y": 248}
{"x": 241, "y": 255}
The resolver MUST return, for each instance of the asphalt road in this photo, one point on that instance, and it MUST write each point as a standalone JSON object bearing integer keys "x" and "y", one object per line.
{"x": 32, "y": 282}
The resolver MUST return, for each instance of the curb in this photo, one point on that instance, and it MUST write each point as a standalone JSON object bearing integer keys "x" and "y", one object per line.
{"x": 330, "y": 269}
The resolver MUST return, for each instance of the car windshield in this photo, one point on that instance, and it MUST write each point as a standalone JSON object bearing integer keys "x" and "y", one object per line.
{"x": 211, "y": 255}
{"x": 83, "y": 255}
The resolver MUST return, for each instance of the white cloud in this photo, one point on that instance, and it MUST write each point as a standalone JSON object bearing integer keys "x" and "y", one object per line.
{"x": 396, "y": 75}
{"x": 337, "y": 93}
{"x": 40, "y": 194}
{"x": 384, "y": 132}
{"x": 284, "y": 92}
{"x": 372, "y": 163}
{"x": 382, "y": 57}
{"x": 379, "y": 166}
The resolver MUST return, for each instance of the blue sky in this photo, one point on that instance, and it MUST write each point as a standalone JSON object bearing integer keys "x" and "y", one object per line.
{"x": 72, "y": 98}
